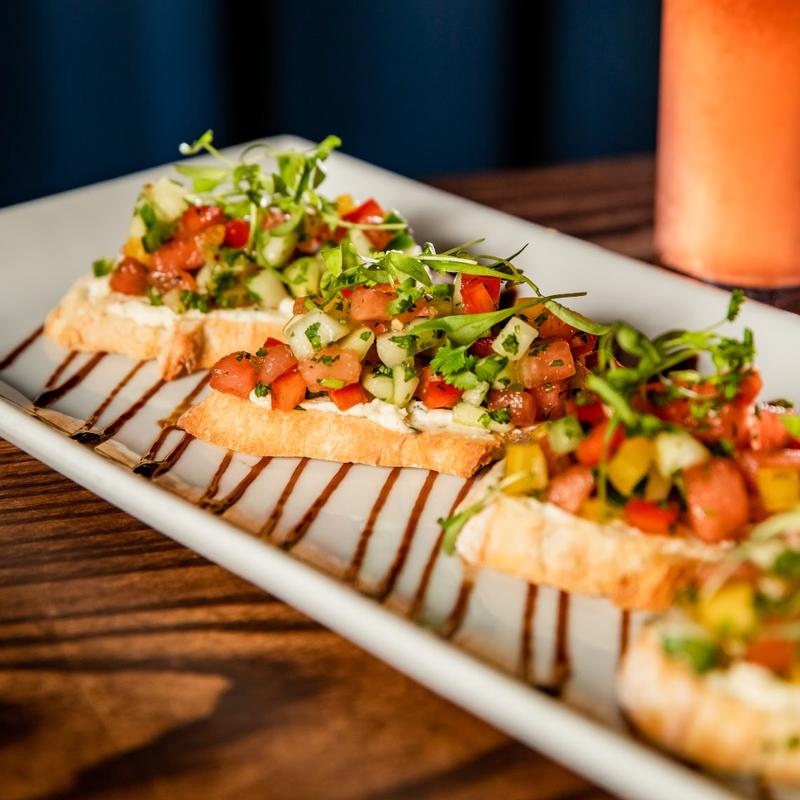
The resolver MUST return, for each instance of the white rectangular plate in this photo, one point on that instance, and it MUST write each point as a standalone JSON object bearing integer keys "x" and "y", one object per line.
{"x": 358, "y": 547}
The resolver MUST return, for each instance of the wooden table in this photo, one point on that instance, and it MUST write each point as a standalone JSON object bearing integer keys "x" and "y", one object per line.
{"x": 132, "y": 668}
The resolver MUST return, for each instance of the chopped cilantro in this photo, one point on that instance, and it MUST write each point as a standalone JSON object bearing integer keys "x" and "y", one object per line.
{"x": 261, "y": 390}
{"x": 154, "y": 297}
{"x": 383, "y": 370}
{"x": 312, "y": 334}
{"x": 702, "y": 654}
{"x": 331, "y": 383}
{"x": 501, "y": 415}
{"x": 409, "y": 373}
{"x": 329, "y": 361}
{"x": 510, "y": 344}
{"x": 557, "y": 363}
{"x": 261, "y": 352}
{"x": 365, "y": 336}
{"x": 541, "y": 319}
{"x": 191, "y": 299}
{"x": 489, "y": 367}
{"x": 787, "y": 564}
{"x": 407, "y": 342}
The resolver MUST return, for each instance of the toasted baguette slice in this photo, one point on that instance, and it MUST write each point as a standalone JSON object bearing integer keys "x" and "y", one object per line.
{"x": 707, "y": 718}
{"x": 544, "y": 544}
{"x": 229, "y": 421}
{"x": 181, "y": 343}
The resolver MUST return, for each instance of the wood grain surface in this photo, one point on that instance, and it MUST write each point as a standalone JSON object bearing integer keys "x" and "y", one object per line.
{"x": 132, "y": 668}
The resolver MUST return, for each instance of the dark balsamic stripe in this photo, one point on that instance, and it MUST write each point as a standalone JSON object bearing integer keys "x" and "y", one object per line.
{"x": 235, "y": 495}
{"x": 57, "y": 372}
{"x": 562, "y": 667}
{"x": 21, "y": 348}
{"x": 526, "y": 643}
{"x": 405, "y": 543}
{"x": 427, "y": 572}
{"x": 455, "y": 620}
{"x": 50, "y": 396}
{"x": 126, "y": 416}
{"x": 213, "y": 486}
{"x": 351, "y": 574}
{"x": 154, "y": 469}
{"x": 98, "y": 412}
{"x": 624, "y": 632}
{"x": 301, "y": 529}
{"x": 272, "y": 520}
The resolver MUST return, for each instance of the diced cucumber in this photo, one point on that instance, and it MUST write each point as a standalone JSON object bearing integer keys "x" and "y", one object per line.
{"x": 457, "y": 299}
{"x": 172, "y": 299}
{"x": 426, "y": 339}
{"x": 381, "y": 386}
{"x": 405, "y": 384}
{"x": 360, "y": 241}
{"x": 515, "y": 339}
{"x": 476, "y": 395}
{"x": 309, "y": 333}
{"x": 564, "y": 434}
{"x": 137, "y": 228}
{"x": 508, "y": 377}
{"x": 277, "y": 250}
{"x": 168, "y": 198}
{"x": 474, "y": 416}
{"x": 204, "y": 277}
{"x": 677, "y": 450}
{"x": 302, "y": 276}
{"x": 391, "y": 352}
{"x": 359, "y": 341}
{"x": 267, "y": 288}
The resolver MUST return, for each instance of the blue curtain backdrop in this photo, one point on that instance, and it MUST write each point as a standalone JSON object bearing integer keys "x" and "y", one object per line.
{"x": 92, "y": 89}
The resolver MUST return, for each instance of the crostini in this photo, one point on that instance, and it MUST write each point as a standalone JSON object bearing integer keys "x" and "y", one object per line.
{"x": 400, "y": 360}
{"x": 655, "y": 470}
{"x": 215, "y": 265}
{"x": 717, "y": 679}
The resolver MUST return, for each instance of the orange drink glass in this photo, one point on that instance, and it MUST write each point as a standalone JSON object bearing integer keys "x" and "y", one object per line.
{"x": 728, "y": 193}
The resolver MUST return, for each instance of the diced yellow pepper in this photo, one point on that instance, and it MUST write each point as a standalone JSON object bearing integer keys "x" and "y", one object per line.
{"x": 598, "y": 511}
{"x": 526, "y": 458}
{"x": 779, "y": 487}
{"x": 135, "y": 249}
{"x": 631, "y": 463}
{"x": 730, "y": 611}
{"x": 657, "y": 487}
{"x": 344, "y": 204}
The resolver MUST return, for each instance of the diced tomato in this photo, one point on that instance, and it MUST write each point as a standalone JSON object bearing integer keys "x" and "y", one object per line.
{"x": 434, "y": 392}
{"x": 130, "y": 277}
{"x": 716, "y": 499}
{"x": 731, "y": 421}
{"x": 520, "y": 405}
{"x": 237, "y": 232}
{"x": 234, "y": 374}
{"x": 768, "y": 431}
{"x": 179, "y": 254}
{"x": 332, "y": 368}
{"x": 582, "y": 343}
{"x": 370, "y": 303}
{"x": 571, "y": 489}
{"x": 347, "y": 293}
{"x": 475, "y": 298}
{"x": 750, "y": 461}
{"x": 552, "y": 363}
{"x": 370, "y": 213}
{"x": 776, "y": 655}
{"x": 547, "y": 323}
{"x": 175, "y": 279}
{"x": 349, "y": 396}
{"x": 198, "y": 218}
{"x": 590, "y": 449}
{"x": 482, "y": 347}
{"x": 550, "y": 399}
{"x": 288, "y": 391}
{"x": 650, "y": 517}
{"x": 750, "y": 387}
{"x": 271, "y": 341}
{"x": 277, "y": 360}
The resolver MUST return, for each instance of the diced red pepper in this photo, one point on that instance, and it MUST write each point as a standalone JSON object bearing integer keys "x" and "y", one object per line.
{"x": 370, "y": 213}
{"x": 591, "y": 413}
{"x": 482, "y": 347}
{"x": 650, "y": 517}
{"x": 547, "y": 323}
{"x": 776, "y": 655}
{"x": 198, "y": 218}
{"x": 435, "y": 392}
{"x": 475, "y": 298}
{"x": 237, "y": 232}
{"x": 590, "y": 450}
{"x": 349, "y": 396}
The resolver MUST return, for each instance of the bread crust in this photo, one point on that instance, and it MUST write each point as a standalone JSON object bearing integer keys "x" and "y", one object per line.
{"x": 237, "y": 424}
{"x": 545, "y": 545}
{"x": 696, "y": 718}
{"x": 181, "y": 345}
